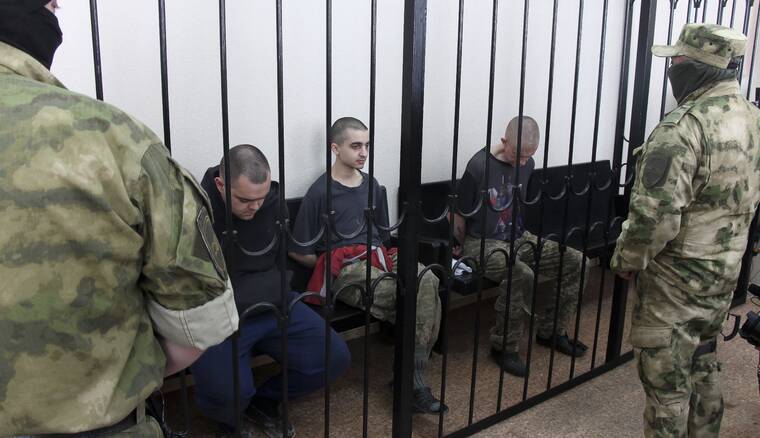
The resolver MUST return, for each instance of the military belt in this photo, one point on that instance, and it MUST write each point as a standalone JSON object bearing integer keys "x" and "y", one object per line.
{"x": 130, "y": 420}
{"x": 705, "y": 347}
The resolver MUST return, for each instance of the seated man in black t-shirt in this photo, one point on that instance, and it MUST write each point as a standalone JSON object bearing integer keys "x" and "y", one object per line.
{"x": 350, "y": 188}
{"x": 506, "y": 172}
{"x": 257, "y": 279}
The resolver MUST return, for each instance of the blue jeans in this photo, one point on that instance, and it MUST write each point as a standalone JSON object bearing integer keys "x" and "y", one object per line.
{"x": 261, "y": 335}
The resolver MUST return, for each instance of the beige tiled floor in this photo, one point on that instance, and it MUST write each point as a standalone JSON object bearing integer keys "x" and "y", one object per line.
{"x": 609, "y": 405}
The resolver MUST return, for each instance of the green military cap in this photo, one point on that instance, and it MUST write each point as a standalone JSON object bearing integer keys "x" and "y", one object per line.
{"x": 707, "y": 43}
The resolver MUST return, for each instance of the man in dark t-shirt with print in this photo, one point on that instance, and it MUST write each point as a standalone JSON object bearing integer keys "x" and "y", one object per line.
{"x": 256, "y": 278}
{"x": 500, "y": 224}
{"x": 350, "y": 188}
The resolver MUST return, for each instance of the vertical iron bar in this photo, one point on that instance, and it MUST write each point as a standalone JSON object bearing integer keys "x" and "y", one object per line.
{"x": 745, "y": 29}
{"x": 542, "y": 194}
{"x": 412, "y": 105}
{"x": 688, "y": 11}
{"x": 231, "y": 234}
{"x": 370, "y": 215}
{"x": 733, "y": 12}
{"x": 637, "y": 133}
{"x": 704, "y": 11}
{"x": 483, "y": 213}
{"x": 568, "y": 185}
{"x": 164, "y": 72}
{"x": 452, "y": 204}
{"x": 96, "y": 49}
{"x": 697, "y": 5}
{"x": 618, "y": 149}
{"x": 673, "y": 5}
{"x": 329, "y": 305}
{"x": 592, "y": 182}
{"x": 721, "y": 10}
{"x": 284, "y": 317}
{"x": 516, "y": 193}
{"x": 754, "y": 51}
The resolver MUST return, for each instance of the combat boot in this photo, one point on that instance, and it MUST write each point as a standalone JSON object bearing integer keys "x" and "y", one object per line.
{"x": 509, "y": 361}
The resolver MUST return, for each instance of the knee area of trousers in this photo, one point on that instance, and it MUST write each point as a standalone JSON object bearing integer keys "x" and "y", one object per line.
{"x": 341, "y": 357}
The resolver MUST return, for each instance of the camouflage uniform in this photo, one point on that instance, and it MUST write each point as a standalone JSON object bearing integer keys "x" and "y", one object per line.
{"x": 105, "y": 240}
{"x": 522, "y": 286}
{"x": 384, "y": 304}
{"x": 697, "y": 187}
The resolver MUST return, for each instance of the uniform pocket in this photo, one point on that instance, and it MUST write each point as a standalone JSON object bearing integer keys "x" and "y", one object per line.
{"x": 651, "y": 337}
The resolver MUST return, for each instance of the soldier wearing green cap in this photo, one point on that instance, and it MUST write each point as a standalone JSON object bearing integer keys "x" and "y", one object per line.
{"x": 696, "y": 190}
{"x": 112, "y": 276}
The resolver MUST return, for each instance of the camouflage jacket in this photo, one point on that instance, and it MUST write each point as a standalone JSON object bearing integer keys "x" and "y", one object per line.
{"x": 696, "y": 190}
{"x": 105, "y": 239}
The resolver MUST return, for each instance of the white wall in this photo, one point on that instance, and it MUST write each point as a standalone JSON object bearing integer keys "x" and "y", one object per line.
{"x": 131, "y": 76}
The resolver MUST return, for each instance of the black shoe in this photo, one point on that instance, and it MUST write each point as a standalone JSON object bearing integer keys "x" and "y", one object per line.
{"x": 563, "y": 344}
{"x": 425, "y": 403}
{"x": 261, "y": 413}
{"x": 509, "y": 361}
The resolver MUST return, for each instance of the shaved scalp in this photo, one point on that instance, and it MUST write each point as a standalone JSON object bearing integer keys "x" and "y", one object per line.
{"x": 247, "y": 160}
{"x": 530, "y": 134}
{"x": 339, "y": 128}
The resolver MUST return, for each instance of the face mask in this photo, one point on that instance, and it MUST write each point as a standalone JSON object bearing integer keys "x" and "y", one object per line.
{"x": 35, "y": 31}
{"x": 688, "y": 76}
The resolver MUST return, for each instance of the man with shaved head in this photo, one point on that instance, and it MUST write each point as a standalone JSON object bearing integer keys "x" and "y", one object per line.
{"x": 499, "y": 225}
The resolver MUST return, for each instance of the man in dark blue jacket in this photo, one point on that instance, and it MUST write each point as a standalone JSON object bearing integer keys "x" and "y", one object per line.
{"x": 256, "y": 275}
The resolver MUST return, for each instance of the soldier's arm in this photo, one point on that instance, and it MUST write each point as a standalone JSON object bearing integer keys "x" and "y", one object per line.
{"x": 187, "y": 290}
{"x": 663, "y": 187}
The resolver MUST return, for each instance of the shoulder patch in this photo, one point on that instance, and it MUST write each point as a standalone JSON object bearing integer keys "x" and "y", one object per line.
{"x": 206, "y": 231}
{"x": 675, "y": 116}
{"x": 655, "y": 172}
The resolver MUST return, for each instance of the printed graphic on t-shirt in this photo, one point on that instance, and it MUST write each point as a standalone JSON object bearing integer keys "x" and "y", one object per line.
{"x": 500, "y": 197}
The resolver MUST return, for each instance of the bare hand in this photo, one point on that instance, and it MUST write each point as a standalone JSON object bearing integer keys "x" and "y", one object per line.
{"x": 457, "y": 251}
{"x": 628, "y": 276}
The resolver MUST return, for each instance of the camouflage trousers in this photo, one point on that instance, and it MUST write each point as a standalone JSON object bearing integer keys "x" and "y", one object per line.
{"x": 384, "y": 299}
{"x": 522, "y": 286}
{"x": 683, "y": 395}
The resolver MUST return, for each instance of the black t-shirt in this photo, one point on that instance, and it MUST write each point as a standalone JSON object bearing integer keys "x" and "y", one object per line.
{"x": 254, "y": 278}
{"x": 501, "y": 177}
{"x": 348, "y": 203}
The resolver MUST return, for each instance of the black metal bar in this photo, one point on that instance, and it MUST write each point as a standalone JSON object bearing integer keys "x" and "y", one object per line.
{"x": 622, "y": 107}
{"x": 547, "y": 135}
{"x": 329, "y": 305}
{"x": 733, "y": 12}
{"x": 285, "y": 313}
{"x": 516, "y": 193}
{"x": 637, "y": 135}
{"x": 745, "y": 29}
{"x": 721, "y": 11}
{"x": 688, "y": 11}
{"x": 592, "y": 181}
{"x": 540, "y": 398}
{"x": 231, "y": 234}
{"x": 618, "y": 150}
{"x": 369, "y": 216}
{"x": 673, "y": 5}
{"x": 96, "y": 49}
{"x": 697, "y": 5}
{"x": 412, "y": 105}
{"x": 754, "y": 52}
{"x": 704, "y": 11}
{"x": 484, "y": 212}
{"x": 444, "y": 334}
{"x": 164, "y": 73}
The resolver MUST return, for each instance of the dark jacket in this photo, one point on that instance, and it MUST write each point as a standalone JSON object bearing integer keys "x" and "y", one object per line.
{"x": 255, "y": 278}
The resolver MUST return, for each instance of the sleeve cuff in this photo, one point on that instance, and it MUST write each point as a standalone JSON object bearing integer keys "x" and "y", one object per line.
{"x": 200, "y": 327}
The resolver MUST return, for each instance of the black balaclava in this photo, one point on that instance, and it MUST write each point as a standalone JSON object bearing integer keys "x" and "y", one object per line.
{"x": 692, "y": 75}
{"x": 29, "y": 26}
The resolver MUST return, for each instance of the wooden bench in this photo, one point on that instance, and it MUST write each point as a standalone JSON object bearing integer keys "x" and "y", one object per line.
{"x": 546, "y": 217}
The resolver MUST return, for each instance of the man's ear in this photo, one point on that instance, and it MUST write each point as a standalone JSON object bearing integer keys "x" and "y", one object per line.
{"x": 219, "y": 182}
{"x": 334, "y": 148}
